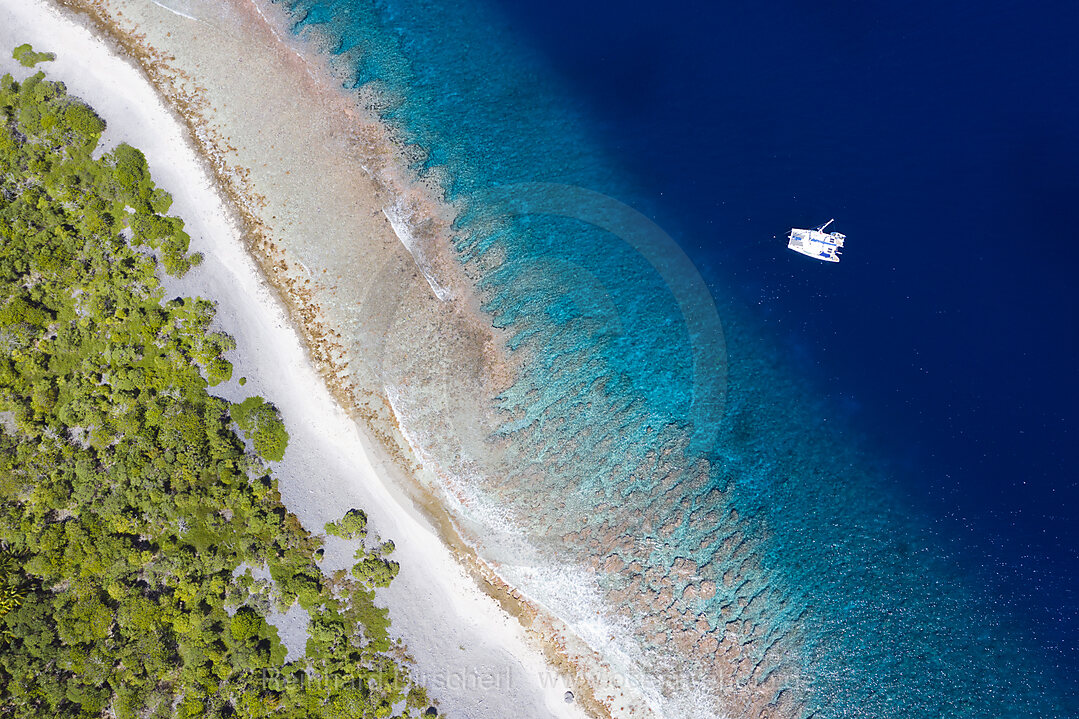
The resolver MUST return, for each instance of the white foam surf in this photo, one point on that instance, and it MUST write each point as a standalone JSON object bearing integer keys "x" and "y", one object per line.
{"x": 398, "y": 216}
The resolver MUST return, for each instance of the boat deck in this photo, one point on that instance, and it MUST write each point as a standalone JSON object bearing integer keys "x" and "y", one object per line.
{"x": 816, "y": 243}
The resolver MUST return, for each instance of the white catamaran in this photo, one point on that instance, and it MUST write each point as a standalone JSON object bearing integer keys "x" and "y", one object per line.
{"x": 817, "y": 243}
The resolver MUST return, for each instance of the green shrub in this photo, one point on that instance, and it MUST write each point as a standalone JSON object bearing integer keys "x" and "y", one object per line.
{"x": 262, "y": 423}
{"x": 373, "y": 570}
{"x": 28, "y": 58}
{"x": 352, "y": 526}
{"x": 160, "y": 201}
{"x": 84, "y": 122}
{"x": 12, "y": 582}
{"x": 218, "y": 371}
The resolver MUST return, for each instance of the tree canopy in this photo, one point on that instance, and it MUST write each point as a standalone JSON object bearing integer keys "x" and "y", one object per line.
{"x": 131, "y": 514}
{"x": 261, "y": 421}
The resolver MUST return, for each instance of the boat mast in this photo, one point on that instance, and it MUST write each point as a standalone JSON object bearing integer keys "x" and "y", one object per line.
{"x": 821, "y": 228}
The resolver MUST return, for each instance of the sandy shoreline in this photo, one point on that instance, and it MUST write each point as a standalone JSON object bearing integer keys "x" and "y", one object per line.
{"x": 477, "y": 659}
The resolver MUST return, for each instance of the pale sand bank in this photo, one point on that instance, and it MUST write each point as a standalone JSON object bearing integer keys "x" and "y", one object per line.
{"x": 473, "y": 657}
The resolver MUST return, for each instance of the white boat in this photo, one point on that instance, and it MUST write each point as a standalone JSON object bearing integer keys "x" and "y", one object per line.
{"x": 817, "y": 243}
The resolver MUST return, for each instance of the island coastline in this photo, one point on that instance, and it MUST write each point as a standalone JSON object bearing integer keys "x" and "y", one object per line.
{"x": 318, "y": 348}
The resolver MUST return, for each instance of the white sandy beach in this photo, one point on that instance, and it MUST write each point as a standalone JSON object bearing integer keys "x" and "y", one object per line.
{"x": 473, "y": 657}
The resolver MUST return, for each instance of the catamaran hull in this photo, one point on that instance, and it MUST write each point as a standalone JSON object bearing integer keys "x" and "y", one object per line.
{"x": 817, "y": 244}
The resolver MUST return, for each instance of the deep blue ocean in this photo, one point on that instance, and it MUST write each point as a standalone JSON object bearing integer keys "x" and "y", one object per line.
{"x": 941, "y": 350}
{"x": 943, "y": 138}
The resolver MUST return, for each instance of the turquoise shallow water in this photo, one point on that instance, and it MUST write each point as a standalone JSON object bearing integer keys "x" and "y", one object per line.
{"x": 640, "y": 442}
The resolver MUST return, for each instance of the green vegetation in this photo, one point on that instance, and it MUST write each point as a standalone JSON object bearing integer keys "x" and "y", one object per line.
{"x": 261, "y": 421}
{"x": 28, "y": 58}
{"x": 130, "y": 513}
{"x": 373, "y": 569}
{"x": 352, "y": 526}
{"x": 12, "y": 582}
